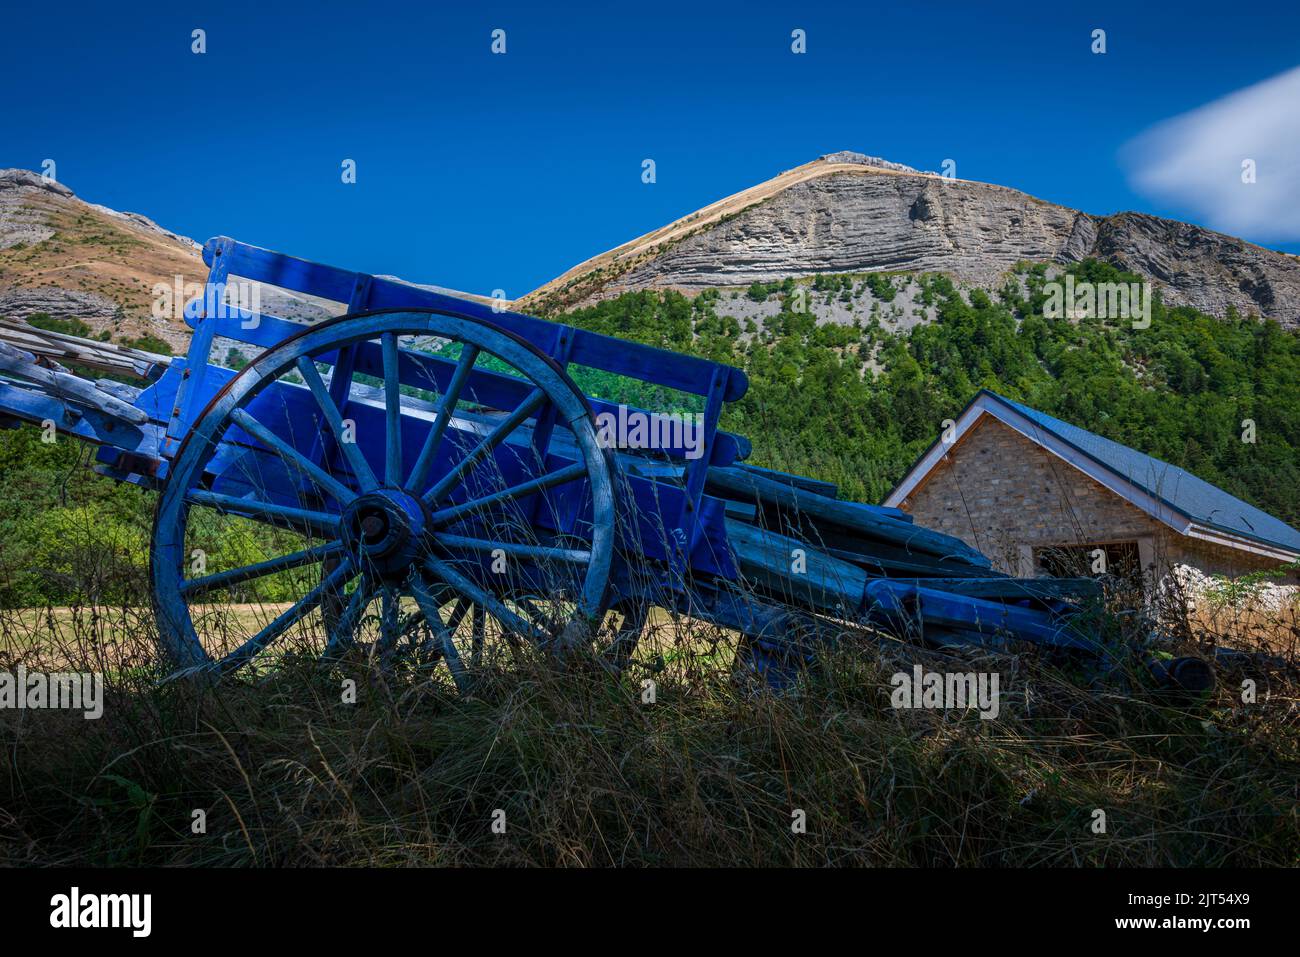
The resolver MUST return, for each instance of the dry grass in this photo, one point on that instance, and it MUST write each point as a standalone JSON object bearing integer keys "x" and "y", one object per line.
{"x": 587, "y": 773}
{"x": 301, "y": 764}
{"x": 1248, "y": 626}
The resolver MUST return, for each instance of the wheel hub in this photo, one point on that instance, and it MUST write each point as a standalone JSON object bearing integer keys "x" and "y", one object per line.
{"x": 384, "y": 529}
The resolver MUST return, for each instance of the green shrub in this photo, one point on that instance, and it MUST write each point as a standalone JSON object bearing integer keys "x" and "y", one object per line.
{"x": 68, "y": 327}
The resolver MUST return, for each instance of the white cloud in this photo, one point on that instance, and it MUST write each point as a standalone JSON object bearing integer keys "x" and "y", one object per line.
{"x": 1195, "y": 160}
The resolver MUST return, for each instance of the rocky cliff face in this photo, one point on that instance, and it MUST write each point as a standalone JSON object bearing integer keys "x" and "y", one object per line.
{"x": 1202, "y": 268}
{"x": 849, "y": 222}
{"x": 861, "y": 216}
{"x": 70, "y": 259}
{"x": 74, "y": 260}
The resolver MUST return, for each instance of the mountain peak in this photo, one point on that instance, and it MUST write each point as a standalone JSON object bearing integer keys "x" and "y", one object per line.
{"x": 849, "y": 212}
{"x": 69, "y": 259}
{"x": 14, "y": 178}
{"x": 862, "y": 159}
{"x": 17, "y": 179}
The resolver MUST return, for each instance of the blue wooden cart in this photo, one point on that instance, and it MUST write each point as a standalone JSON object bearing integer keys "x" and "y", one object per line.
{"x": 422, "y": 477}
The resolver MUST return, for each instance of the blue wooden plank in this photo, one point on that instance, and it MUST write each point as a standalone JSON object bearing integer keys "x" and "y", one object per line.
{"x": 547, "y": 420}
{"x": 87, "y": 424}
{"x": 671, "y": 369}
{"x": 828, "y": 489}
{"x": 748, "y": 485}
{"x": 199, "y": 353}
{"x": 425, "y": 371}
{"x": 698, "y": 469}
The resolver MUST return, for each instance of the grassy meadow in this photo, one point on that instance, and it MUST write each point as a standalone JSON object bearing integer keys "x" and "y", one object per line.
{"x": 568, "y": 766}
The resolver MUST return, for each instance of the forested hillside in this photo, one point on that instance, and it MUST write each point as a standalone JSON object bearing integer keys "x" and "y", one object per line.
{"x": 856, "y": 404}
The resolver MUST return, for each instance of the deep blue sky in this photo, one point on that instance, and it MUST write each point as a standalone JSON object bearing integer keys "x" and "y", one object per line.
{"x": 478, "y": 171}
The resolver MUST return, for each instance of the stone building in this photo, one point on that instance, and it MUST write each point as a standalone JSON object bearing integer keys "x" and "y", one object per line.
{"x": 1041, "y": 496}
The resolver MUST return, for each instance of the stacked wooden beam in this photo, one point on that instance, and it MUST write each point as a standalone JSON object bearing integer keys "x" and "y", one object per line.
{"x": 805, "y": 548}
{"x": 73, "y": 350}
{"x": 51, "y": 379}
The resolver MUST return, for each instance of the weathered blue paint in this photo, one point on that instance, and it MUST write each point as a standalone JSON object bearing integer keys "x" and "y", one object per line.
{"x": 247, "y": 423}
{"x": 435, "y": 373}
{"x": 685, "y": 373}
{"x": 404, "y": 496}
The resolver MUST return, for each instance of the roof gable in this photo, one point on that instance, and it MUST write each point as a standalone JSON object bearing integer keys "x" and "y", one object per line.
{"x": 1166, "y": 492}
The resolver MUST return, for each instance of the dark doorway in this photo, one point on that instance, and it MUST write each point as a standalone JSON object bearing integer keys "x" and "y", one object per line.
{"x": 1121, "y": 562}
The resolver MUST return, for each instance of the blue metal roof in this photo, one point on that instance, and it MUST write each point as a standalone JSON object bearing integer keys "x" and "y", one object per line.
{"x": 1200, "y": 501}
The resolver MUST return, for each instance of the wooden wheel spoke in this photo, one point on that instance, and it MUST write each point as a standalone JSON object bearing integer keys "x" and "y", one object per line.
{"x": 291, "y": 455}
{"x": 286, "y": 619}
{"x": 567, "y": 474}
{"x": 360, "y": 467}
{"x": 409, "y": 629}
{"x": 576, "y": 556}
{"x": 392, "y": 412}
{"x": 441, "y": 634}
{"x": 484, "y": 599}
{"x": 458, "y": 612}
{"x": 446, "y": 409}
{"x": 317, "y": 522}
{"x": 537, "y": 614}
{"x": 307, "y": 556}
{"x": 388, "y": 624}
{"x": 487, "y": 445}
{"x": 478, "y": 636}
{"x": 345, "y": 629}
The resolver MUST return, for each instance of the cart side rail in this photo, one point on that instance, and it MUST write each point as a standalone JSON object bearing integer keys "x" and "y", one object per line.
{"x": 715, "y": 382}
{"x": 424, "y": 369}
{"x": 563, "y": 343}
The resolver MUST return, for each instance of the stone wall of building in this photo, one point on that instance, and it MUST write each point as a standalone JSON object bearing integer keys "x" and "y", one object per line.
{"x": 1007, "y": 496}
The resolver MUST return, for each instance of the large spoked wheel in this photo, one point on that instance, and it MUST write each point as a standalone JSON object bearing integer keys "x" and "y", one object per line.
{"x": 418, "y": 485}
